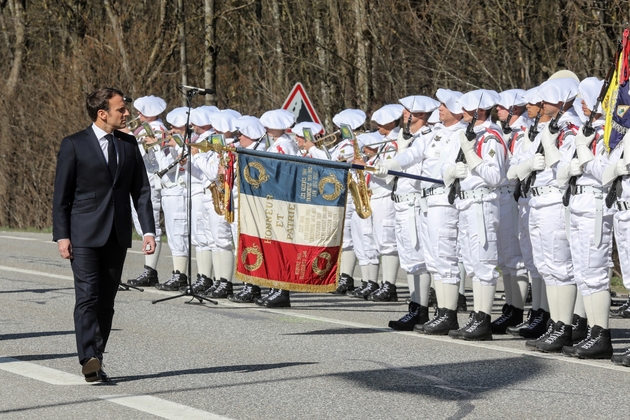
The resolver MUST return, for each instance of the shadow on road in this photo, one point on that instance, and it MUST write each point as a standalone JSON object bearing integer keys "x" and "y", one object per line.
{"x": 19, "y": 336}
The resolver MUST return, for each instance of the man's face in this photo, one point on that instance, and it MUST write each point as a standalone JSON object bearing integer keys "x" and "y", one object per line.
{"x": 468, "y": 115}
{"x": 245, "y": 141}
{"x": 551, "y": 110}
{"x": 117, "y": 115}
{"x": 585, "y": 109}
{"x": 502, "y": 112}
{"x": 532, "y": 110}
{"x": 386, "y": 128}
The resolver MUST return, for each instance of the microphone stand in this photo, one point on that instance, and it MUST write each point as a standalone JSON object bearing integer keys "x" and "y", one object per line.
{"x": 190, "y": 94}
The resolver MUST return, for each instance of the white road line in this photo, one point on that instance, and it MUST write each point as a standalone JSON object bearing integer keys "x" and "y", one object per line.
{"x": 292, "y": 313}
{"x": 161, "y": 408}
{"x": 21, "y": 238}
{"x": 40, "y": 373}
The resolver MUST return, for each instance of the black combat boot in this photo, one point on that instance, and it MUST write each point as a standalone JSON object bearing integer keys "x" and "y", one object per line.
{"x": 248, "y": 294}
{"x": 479, "y": 329}
{"x": 621, "y": 359}
{"x": 537, "y": 326}
{"x": 366, "y": 291}
{"x": 260, "y": 301}
{"x": 345, "y": 285}
{"x": 558, "y": 336}
{"x": 623, "y": 311}
{"x": 444, "y": 321}
{"x": 223, "y": 290}
{"x": 580, "y": 329}
{"x": 149, "y": 277}
{"x": 598, "y": 346}
{"x": 511, "y": 317}
{"x": 177, "y": 281}
{"x": 417, "y": 315}
{"x": 357, "y": 290}
{"x": 279, "y": 299}
{"x": 386, "y": 293}
{"x": 457, "y": 334}
{"x": 201, "y": 284}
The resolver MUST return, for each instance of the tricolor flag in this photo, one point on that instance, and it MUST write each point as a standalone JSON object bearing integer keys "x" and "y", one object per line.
{"x": 290, "y": 221}
{"x": 616, "y": 103}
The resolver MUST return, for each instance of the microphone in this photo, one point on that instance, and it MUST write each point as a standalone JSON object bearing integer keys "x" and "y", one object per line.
{"x": 200, "y": 91}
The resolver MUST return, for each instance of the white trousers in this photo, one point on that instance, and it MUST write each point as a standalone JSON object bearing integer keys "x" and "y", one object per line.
{"x": 480, "y": 260}
{"x": 439, "y": 242}
{"x": 218, "y": 230}
{"x": 621, "y": 223}
{"x": 384, "y": 225}
{"x": 198, "y": 238}
{"x": 509, "y": 249}
{"x": 550, "y": 245}
{"x": 524, "y": 238}
{"x": 590, "y": 262}
{"x": 175, "y": 215}
{"x": 408, "y": 227}
{"x": 347, "y": 225}
{"x": 363, "y": 240}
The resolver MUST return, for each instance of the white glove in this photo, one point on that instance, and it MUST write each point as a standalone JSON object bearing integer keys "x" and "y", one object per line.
{"x": 526, "y": 141}
{"x": 575, "y": 167}
{"x": 468, "y": 147}
{"x": 552, "y": 154}
{"x": 582, "y": 140}
{"x": 401, "y": 142}
{"x": 381, "y": 168}
{"x": 451, "y": 173}
{"x": 614, "y": 170}
{"x": 512, "y": 173}
{"x": 582, "y": 148}
{"x": 535, "y": 163}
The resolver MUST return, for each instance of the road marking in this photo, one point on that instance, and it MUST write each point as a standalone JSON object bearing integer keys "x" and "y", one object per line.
{"x": 21, "y": 238}
{"x": 40, "y": 373}
{"x": 293, "y": 313}
{"x": 161, "y": 408}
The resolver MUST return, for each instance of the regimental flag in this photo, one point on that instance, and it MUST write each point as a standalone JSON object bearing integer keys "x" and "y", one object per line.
{"x": 616, "y": 103}
{"x": 290, "y": 221}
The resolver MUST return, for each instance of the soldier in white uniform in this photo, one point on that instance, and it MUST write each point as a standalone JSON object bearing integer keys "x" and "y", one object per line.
{"x": 383, "y": 213}
{"x": 478, "y": 206}
{"x": 344, "y": 152}
{"x": 409, "y": 202}
{"x": 510, "y": 111}
{"x": 276, "y": 122}
{"x": 590, "y": 233}
{"x": 149, "y": 108}
{"x": 547, "y": 228}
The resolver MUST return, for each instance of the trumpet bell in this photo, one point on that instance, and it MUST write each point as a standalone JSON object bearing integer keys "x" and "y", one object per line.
{"x": 134, "y": 123}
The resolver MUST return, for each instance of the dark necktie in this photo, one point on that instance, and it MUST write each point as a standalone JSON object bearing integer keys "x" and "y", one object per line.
{"x": 112, "y": 160}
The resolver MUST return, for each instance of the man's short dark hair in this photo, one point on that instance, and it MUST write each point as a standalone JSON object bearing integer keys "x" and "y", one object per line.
{"x": 99, "y": 99}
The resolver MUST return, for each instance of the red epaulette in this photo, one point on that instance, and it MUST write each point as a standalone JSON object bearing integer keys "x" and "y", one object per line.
{"x": 564, "y": 130}
{"x": 492, "y": 133}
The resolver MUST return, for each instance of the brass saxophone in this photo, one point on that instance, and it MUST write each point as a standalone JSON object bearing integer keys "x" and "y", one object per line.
{"x": 217, "y": 190}
{"x": 360, "y": 192}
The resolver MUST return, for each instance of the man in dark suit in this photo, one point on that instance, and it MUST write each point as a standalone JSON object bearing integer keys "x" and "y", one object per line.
{"x": 97, "y": 170}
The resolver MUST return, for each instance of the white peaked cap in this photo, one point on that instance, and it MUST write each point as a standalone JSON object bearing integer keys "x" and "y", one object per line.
{"x": 150, "y": 106}
{"x": 298, "y": 129}
{"x": 368, "y": 139}
{"x": 177, "y": 117}
{"x": 250, "y": 126}
{"x": 589, "y": 90}
{"x": 531, "y": 95}
{"x": 512, "y": 97}
{"x": 223, "y": 121}
{"x": 353, "y": 117}
{"x": 479, "y": 99}
{"x": 387, "y": 113}
{"x": 434, "y": 118}
{"x": 449, "y": 99}
{"x": 418, "y": 103}
{"x": 277, "y": 119}
{"x": 200, "y": 117}
{"x": 555, "y": 91}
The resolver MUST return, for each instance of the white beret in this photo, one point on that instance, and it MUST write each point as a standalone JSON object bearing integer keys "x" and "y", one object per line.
{"x": 150, "y": 106}
{"x": 232, "y": 112}
{"x": 418, "y": 103}
{"x": 531, "y": 95}
{"x": 555, "y": 91}
{"x": 209, "y": 108}
{"x": 368, "y": 139}
{"x": 250, "y": 127}
{"x": 298, "y": 129}
{"x": 387, "y": 113}
{"x": 200, "y": 116}
{"x": 589, "y": 89}
{"x": 178, "y": 116}
{"x": 223, "y": 121}
{"x": 353, "y": 117}
{"x": 435, "y": 117}
{"x": 449, "y": 99}
{"x": 512, "y": 97}
{"x": 478, "y": 99}
{"x": 561, "y": 74}
{"x": 277, "y": 119}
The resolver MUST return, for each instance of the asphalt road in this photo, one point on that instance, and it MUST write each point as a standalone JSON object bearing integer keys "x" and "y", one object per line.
{"x": 327, "y": 357}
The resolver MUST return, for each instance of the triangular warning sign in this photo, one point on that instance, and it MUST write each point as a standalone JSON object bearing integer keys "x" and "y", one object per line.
{"x": 300, "y": 105}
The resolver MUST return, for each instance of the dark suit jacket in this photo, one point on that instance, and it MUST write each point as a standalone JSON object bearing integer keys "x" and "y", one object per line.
{"x": 87, "y": 201}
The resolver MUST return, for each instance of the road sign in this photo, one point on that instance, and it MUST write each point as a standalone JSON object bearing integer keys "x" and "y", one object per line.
{"x": 300, "y": 105}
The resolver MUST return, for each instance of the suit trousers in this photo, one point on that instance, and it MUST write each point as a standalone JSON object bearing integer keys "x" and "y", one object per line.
{"x": 97, "y": 273}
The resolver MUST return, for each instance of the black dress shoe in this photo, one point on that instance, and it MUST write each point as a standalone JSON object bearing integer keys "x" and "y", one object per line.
{"x": 90, "y": 369}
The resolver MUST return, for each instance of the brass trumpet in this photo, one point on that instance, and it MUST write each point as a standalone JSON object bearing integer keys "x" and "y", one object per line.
{"x": 134, "y": 123}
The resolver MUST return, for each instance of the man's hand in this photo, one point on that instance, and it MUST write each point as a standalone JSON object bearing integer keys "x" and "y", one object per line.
{"x": 65, "y": 248}
{"x": 148, "y": 244}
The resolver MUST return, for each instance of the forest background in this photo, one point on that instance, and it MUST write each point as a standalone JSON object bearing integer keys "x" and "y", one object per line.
{"x": 347, "y": 53}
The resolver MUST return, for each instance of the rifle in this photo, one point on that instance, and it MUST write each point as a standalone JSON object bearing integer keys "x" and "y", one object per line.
{"x": 471, "y": 136}
{"x": 522, "y": 187}
{"x": 505, "y": 125}
{"x": 406, "y": 129}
